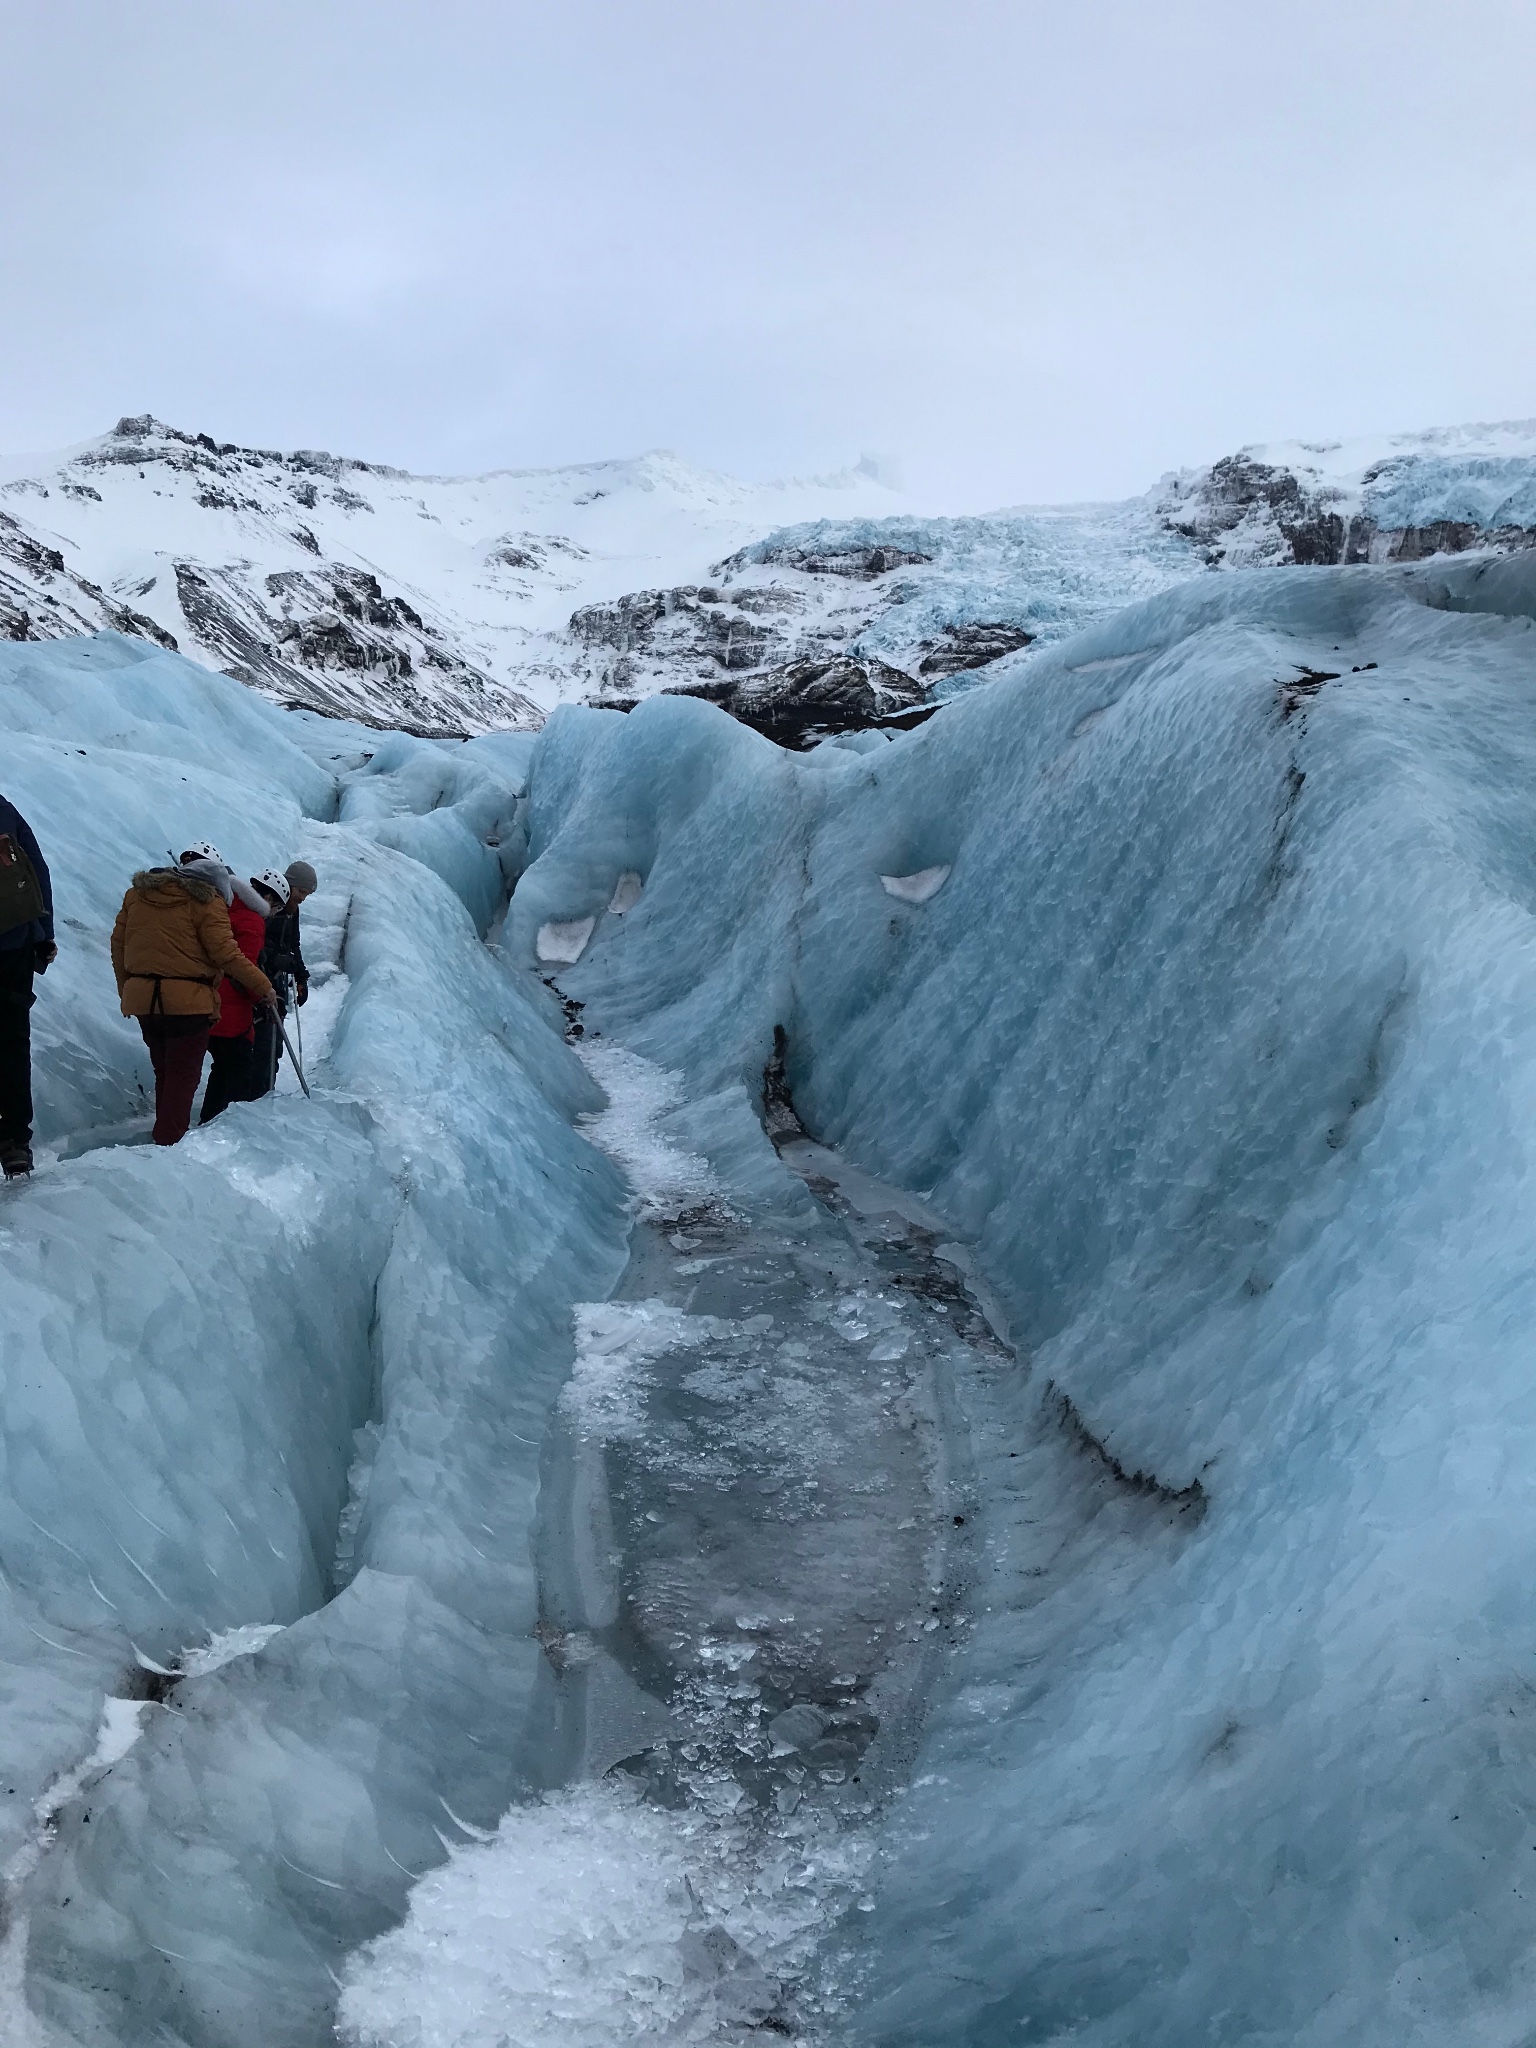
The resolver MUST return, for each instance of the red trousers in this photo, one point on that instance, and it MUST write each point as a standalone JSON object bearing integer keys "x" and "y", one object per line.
{"x": 176, "y": 1048}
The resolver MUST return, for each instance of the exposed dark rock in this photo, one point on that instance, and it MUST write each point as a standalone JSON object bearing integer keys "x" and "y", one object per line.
{"x": 531, "y": 551}
{"x": 772, "y": 598}
{"x": 855, "y": 559}
{"x": 804, "y": 701}
{"x": 1242, "y": 510}
{"x": 629, "y": 622}
{"x": 1237, "y": 492}
{"x": 29, "y": 554}
{"x": 971, "y": 646}
{"x": 1453, "y": 537}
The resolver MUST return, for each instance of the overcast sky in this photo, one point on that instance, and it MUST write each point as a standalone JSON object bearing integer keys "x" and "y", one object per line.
{"x": 1023, "y": 251}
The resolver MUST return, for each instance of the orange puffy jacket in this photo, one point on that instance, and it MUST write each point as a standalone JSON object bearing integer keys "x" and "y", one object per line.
{"x": 172, "y": 945}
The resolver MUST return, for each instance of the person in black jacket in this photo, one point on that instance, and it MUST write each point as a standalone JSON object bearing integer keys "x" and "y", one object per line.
{"x": 26, "y": 949}
{"x": 282, "y": 961}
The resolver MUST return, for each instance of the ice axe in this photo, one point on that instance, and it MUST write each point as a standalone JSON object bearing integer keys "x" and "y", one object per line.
{"x": 288, "y": 1048}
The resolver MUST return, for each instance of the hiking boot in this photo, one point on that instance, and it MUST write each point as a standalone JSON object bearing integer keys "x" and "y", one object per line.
{"x": 15, "y": 1160}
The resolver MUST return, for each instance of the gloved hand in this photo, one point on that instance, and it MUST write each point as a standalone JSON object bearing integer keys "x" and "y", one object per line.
{"x": 301, "y": 996}
{"x": 43, "y": 956}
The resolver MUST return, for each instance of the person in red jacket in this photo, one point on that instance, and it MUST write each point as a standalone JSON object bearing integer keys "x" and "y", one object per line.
{"x": 232, "y": 1041}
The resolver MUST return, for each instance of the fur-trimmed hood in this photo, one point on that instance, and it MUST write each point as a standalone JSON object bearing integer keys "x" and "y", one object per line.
{"x": 149, "y": 881}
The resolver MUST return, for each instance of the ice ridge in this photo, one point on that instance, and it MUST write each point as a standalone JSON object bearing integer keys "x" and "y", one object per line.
{"x": 1217, "y": 1043}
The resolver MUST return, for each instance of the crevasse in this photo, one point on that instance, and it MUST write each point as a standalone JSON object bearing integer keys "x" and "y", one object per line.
{"x": 1217, "y": 1044}
{"x": 1214, "y": 1053}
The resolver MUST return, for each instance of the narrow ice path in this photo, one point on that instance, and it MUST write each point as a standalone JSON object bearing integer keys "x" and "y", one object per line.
{"x": 753, "y": 1561}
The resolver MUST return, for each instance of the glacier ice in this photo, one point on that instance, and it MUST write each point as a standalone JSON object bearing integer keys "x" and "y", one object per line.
{"x": 193, "y": 1338}
{"x": 1215, "y": 1048}
{"x": 1034, "y": 1542}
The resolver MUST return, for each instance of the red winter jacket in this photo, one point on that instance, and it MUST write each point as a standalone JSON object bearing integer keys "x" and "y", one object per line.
{"x": 237, "y": 1014}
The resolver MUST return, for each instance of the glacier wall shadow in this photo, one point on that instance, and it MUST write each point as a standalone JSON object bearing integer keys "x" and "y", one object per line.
{"x": 1219, "y": 1043}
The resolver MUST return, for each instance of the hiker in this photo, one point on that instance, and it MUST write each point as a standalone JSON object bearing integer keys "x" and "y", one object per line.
{"x": 171, "y": 945}
{"x": 26, "y": 950}
{"x": 282, "y": 959}
{"x": 232, "y": 1040}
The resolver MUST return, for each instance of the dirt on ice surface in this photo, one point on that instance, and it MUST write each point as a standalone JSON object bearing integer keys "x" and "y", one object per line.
{"x": 753, "y": 1549}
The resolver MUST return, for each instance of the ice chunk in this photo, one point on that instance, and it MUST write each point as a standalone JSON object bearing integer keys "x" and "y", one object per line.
{"x": 614, "y": 1343}
{"x": 228, "y": 1644}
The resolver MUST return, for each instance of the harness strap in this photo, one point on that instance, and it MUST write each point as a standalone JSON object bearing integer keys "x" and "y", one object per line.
{"x": 157, "y": 1000}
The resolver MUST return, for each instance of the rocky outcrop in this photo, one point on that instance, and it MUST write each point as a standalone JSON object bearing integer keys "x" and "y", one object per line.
{"x": 750, "y": 649}
{"x": 958, "y": 648}
{"x": 863, "y": 561}
{"x": 332, "y": 640}
{"x": 41, "y": 598}
{"x": 1245, "y": 513}
{"x": 804, "y": 701}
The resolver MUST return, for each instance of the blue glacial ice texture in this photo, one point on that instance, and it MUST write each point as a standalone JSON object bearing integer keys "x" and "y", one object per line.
{"x": 1489, "y": 491}
{"x": 1220, "y": 1042}
{"x": 1051, "y": 571}
{"x": 195, "y": 1343}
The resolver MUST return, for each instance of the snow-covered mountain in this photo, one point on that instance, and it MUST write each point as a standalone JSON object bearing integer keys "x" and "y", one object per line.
{"x": 436, "y": 604}
{"x": 447, "y": 605}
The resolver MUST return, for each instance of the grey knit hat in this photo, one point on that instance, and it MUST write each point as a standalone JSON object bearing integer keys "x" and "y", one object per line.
{"x": 302, "y": 878}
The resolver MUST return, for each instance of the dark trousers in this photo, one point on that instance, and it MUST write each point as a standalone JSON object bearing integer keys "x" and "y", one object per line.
{"x": 266, "y": 1054}
{"x": 231, "y": 1075}
{"x": 176, "y": 1048}
{"x": 16, "y": 1001}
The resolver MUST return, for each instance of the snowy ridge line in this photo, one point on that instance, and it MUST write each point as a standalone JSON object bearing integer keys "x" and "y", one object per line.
{"x": 453, "y": 605}
{"x": 436, "y": 605}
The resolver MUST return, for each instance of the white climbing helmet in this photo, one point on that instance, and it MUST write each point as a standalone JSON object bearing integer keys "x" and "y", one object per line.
{"x": 202, "y": 849}
{"x": 275, "y": 880}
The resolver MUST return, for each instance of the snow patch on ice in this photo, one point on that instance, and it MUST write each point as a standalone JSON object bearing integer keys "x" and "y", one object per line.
{"x": 666, "y": 1177}
{"x": 562, "y": 942}
{"x": 226, "y": 1645}
{"x": 563, "y": 1932}
{"x": 626, "y": 892}
{"x": 918, "y": 888}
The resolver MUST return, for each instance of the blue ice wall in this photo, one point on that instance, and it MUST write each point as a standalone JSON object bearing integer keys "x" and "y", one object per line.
{"x": 289, "y": 1377}
{"x": 1219, "y": 1040}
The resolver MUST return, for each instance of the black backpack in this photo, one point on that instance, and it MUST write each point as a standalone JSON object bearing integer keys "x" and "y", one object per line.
{"x": 21, "y": 894}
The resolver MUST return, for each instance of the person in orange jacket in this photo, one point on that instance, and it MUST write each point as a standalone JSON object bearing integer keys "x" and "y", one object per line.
{"x": 172, "y": 945}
